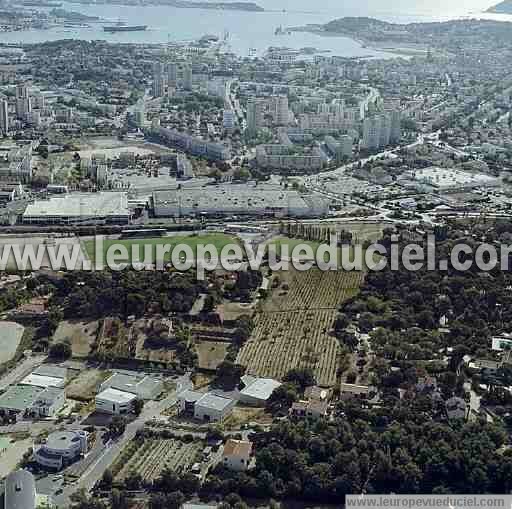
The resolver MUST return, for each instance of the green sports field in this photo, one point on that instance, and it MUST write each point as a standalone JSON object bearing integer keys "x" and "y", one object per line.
{"x": 218, "y": 240}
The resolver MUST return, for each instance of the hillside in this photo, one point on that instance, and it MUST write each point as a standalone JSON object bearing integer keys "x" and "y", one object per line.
{"x": 504, "y": 7}
{"x": 446, "y": 36}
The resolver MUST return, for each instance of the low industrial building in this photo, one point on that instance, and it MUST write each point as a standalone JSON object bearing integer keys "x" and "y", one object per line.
{"x": 237, "y": 455}
{"x": 80, "y": 208}
{"x": 62, "y": 448}
{"x": 452, "y": 179}
{"x": 187, "y": 401}
{"x": 48, "y": 403}
{"x": 206, "y": 407}
{"x": 144, "y": 387}
{"x": 115, "y": 402}
{"x": 213, "y": 408}
{"x": 18, "y": 399}
{"x": 46, "y": 376}
{"x": 257, "y": 391}
{"x": 239, "y": 200}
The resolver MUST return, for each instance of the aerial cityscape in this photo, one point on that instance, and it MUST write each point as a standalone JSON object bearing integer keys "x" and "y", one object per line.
{"x": 255, "y": 254}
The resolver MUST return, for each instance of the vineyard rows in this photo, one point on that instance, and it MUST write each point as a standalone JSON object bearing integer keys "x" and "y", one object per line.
{"x": 153, "y": 456}
{"x": 292, "y": 339}
{"x": 316, "y": 289}
{"x": 293, "y": 331}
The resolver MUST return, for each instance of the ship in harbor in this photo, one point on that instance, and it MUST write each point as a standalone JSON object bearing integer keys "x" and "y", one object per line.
{"x": 125, "y": 28}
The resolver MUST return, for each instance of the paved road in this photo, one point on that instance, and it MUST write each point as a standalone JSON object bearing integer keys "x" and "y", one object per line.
{"x": 21, "y": 370}
{"x": 95, "y": 471}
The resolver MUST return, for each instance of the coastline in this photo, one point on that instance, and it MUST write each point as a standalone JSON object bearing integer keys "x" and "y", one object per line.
{"x": 183, "y": 4}
{"x": 504, "y": 7}
{"x": 384, "y": 46}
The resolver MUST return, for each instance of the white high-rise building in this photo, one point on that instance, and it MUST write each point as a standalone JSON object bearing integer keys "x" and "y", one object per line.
{"x": 158, "y": 80}
{"x": 158, "y": 86}
{"x": 23, "y": 107}
{"x": 385, "y": 130}
{"x": 187, "y": 77}
{"x": 38, "y": 101}
{"x": 21, "y": 91}
{"x": 228, "y": 119}
{"x": 396, "y": 126}
{"x": 345, "y": 146}
{"x": 4, "y": 117}
{"x": 282, "y": 116}
{"x": 255, "y": 110}
{"x": 140, "y": 117}
{"x": 172, "y": 74}
{"x": 371, "y": 133}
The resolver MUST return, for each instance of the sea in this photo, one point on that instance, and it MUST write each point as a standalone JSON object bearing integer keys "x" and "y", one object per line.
{"x": 251, "y": 33}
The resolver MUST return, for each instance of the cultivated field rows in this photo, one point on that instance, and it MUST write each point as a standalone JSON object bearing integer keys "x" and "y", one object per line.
{"x": 316, "y": 289}
{"x": 294, "y": 328}
{"x": 292, "y": 339}
{"x": 153, "y": 456}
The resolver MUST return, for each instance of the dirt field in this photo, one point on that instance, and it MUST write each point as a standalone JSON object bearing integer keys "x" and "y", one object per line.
{"x": 11, "y": 453}
{"x": 245, "y": 415}
{"x": 211, "y": 353}
{"x": 85, "y": 385}
{"x": 294, "y": 327}
{"x": 233, "y": 310}
{"x": 81, "y": 334}
{"x": 10, "y": 337}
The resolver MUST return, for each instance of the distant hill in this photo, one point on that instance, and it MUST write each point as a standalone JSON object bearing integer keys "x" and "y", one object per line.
{"x": 504, "y": 7}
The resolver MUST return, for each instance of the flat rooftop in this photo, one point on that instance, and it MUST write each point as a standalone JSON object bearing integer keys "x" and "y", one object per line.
{"x": 62, "y": 440}
{"x": 19, "y": 397}
{"x": 453, "y": 178}
{"x": 49, "y": 394}
{"x": 51, "y": 370}
{"x": 116, "y": 396}
{"x": 261, "y": 388}
{"x": 43, "y": 381}
{"x": 232, "y": 197}
{"x": 214, "y": 402}
{"x": 131, "y": 383}
{"x": 80, "y": 205}
{"x": 190, "y": 396}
